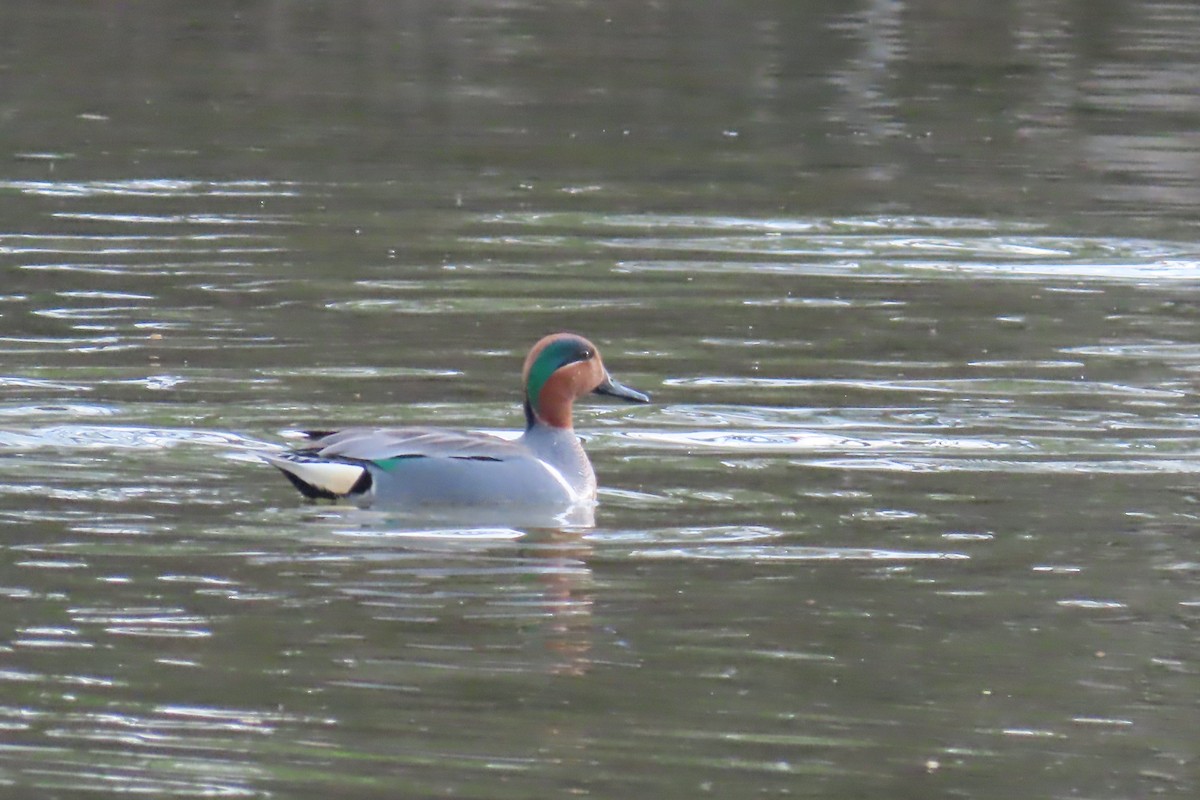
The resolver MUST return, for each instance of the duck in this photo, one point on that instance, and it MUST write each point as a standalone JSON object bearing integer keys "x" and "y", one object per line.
{"x": 546, "y": 467}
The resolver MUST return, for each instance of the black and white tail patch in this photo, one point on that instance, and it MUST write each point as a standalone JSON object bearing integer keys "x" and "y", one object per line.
{"x": 320, "y": 478}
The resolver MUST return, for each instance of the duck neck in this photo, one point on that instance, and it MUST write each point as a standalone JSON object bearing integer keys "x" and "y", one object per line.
{"x": 552, "y": 412}
{"x": 530, "y": 416}
{"x": 561, "y": 449}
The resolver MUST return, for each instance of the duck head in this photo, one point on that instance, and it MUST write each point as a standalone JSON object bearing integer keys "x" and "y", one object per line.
{"x": 560, "y": 368}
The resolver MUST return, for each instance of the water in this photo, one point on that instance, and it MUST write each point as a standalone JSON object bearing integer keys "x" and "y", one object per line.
{"x": 914, "y": 290}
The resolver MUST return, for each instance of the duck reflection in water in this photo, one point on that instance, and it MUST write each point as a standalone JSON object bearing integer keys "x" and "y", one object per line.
{"x": 479, "y": 599}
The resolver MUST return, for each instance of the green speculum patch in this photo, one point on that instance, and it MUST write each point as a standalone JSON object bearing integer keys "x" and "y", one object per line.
{"x": 389, "y": 464}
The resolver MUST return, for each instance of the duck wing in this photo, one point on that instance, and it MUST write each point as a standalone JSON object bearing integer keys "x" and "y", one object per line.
{"x": 381, "y": 444}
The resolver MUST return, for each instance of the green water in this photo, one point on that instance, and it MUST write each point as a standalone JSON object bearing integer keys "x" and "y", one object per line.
{"x": 914, "y": 287}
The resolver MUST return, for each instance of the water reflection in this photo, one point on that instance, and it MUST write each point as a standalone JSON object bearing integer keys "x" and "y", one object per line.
{"x": 901, "y": 104}
{"x": 526, "y": 593}
{"x": 158, "y": 188}
{"x": 120, "y": 437}
{"x": 916, "y": 280}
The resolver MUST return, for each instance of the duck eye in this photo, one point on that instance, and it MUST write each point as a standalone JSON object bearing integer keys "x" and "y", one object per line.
{"x": 588, "y": 353}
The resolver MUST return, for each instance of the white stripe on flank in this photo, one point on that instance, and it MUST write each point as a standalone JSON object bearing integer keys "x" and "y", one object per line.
{"x": 571, "y": 493}
{"x": 335, "y": 477}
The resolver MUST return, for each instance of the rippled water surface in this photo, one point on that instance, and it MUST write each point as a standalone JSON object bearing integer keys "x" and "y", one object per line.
{"x": 915, "y": 291}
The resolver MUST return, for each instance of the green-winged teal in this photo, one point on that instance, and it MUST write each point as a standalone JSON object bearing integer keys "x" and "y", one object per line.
{"x": 544, "y": 468}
